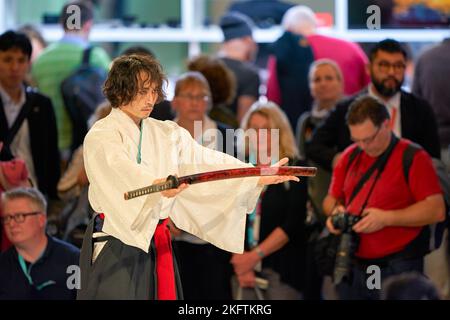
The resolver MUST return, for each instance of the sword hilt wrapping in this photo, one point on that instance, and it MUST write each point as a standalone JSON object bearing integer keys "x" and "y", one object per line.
{"x": 170, "y": 183}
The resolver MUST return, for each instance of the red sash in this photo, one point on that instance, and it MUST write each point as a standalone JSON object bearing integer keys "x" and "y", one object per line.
{"x": 165, "y": 274}
{"x": 164, "y": 263}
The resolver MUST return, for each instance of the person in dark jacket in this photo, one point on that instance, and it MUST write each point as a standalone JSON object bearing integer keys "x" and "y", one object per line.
{"x": 430, "y": 83}
{"x": 30, "y": 113}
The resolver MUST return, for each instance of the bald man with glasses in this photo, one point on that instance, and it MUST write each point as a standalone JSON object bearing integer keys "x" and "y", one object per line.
{"x": 36, "y": 266}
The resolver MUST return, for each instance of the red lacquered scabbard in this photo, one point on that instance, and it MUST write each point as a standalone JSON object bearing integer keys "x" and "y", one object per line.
{"x": 174, "y": 182}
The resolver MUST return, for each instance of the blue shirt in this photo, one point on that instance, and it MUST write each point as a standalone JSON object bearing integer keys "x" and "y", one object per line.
{"x": 74, "y": 39}
{"x": 48, "y": 274}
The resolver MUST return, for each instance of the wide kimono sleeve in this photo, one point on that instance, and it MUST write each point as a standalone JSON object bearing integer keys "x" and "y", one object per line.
{"x": 213, "y": 211}
{"x": 112, "y": 171}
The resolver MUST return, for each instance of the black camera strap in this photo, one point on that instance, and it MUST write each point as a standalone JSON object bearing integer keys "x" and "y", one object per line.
{"x": 379, "y": 164}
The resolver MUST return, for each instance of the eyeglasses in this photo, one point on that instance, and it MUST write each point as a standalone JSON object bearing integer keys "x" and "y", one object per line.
{"x": 385, "y": 66}
{"x": 199, "y": 98}
{"x": 367, "y": 140}
{"x": 18, "y": 218}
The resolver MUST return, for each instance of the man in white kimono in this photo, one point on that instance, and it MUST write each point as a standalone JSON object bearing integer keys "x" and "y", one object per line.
{"x": 127, "y": 252}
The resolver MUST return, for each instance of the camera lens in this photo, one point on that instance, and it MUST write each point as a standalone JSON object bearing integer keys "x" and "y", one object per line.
{"x": 348, "y": 244}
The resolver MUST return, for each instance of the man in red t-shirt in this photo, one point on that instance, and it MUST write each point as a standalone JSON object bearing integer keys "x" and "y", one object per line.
{"x": 395, "y": 211}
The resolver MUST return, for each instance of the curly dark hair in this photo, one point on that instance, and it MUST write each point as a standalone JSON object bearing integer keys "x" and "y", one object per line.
{"x": 221, "y": 80}
{"x": 123, "y": 82}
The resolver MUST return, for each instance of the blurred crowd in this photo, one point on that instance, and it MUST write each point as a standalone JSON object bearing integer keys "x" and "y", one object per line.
{"x": 324, "y": 96}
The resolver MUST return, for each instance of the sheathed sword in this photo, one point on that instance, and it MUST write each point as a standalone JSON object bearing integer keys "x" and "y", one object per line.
{"x": 174, "y": 182}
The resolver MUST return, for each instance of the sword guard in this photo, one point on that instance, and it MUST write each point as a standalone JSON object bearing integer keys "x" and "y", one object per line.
{"x": 174, "y": 182}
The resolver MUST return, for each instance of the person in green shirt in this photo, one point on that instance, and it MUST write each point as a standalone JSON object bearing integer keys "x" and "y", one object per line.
{"x": 61, "y": 58}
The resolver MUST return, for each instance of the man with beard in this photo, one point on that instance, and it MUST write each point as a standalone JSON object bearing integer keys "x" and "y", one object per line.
{"x": 411, "y": 117}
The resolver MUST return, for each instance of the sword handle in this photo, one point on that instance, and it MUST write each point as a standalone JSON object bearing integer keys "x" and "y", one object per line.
{"x": 171, "y": 182}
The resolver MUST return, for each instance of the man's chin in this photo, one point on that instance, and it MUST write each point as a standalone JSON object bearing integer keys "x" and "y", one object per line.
{"x": 195, "y": 117}
{"x": 16, "y": 239}
{"x": 387, "y": 92}
{"x": 147, "y": 114}
{"x": 373, "y": 154}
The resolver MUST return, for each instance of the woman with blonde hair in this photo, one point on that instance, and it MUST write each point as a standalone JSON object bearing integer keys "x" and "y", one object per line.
{"x": 327, "y": 88}
{"x": 326, "y": 84}
{"x": 275, "y": 119}
{"x": 275, "y": 241}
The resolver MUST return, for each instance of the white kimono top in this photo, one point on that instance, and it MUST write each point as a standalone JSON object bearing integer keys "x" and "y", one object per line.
{"x": 213, "y": 211}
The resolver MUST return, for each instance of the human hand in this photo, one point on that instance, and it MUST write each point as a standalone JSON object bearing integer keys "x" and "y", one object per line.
{"x": 330, "y": 227}
{"x": 329, "y": 224}
{"x": 247, "y": 280}
{"x": 171, "y": 192}
{"x": 338, "y": 209}
{"x": 242, "y": 263}
{"x": 13, "y": 174}
{"x": 266, "y": 180}
{"x": 372, "y": 220}
{"x": 4, "y": 184}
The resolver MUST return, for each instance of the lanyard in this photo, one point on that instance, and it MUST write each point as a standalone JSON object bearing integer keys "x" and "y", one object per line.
{"x": 27, "y": 273}
{"x": 253, "y": 225}
{"x": 138, "y": 159}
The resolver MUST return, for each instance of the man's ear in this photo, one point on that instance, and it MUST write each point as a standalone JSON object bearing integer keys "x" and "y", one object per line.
{"x": 43, "y": 220}
{"x": 86, "y": 28}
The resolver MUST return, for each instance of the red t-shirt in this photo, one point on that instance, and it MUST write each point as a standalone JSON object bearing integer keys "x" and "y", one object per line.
{"x": 348, "y": 55}
{"x": 390, "y": 192}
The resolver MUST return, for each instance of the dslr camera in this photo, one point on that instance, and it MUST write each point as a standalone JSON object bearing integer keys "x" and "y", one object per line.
{"x": 347, "y": 246}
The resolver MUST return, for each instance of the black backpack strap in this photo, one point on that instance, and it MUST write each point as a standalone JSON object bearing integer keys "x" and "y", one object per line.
{"x": 29, "y": 100}
{"x": 429, "y": 238}
{"x": 408, "y": 157}
{"x": 86, "y": 55}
